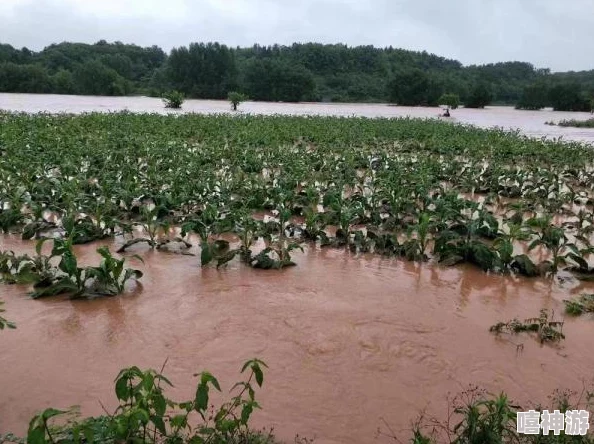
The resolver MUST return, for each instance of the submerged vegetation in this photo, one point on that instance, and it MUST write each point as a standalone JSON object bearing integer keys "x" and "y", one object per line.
{"x": 5, "y": 323}
{"x": 477, "y": 417}
{"x": 146, "y": 415}
{"x": 546, "y": 329}
{"x": 582, "y": 304}
{"x": 259, "y": 188}
{"x": 107, "y": 279}
{"x": 577, "y": 123}
{"x": 256, "y": 190}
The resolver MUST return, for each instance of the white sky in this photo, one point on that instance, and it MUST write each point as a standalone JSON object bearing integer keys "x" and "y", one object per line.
{"x": 558, "y": 34}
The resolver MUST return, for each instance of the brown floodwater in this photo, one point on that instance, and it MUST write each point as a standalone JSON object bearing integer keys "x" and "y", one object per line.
{"x": 349, "y": 340}
{"x": 531, "y": 123}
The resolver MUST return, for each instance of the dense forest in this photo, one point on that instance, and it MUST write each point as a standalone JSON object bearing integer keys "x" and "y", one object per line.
{"x": 300, "y": 72}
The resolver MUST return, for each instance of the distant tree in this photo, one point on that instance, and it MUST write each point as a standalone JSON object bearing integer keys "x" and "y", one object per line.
{"x": 409, "y": 88}
{"x": 310, "y": 71}
{"x": 94, "y": 78}
{"x": 413, "y": 87}
{"x": 480, "y": 96}
{"x": 173, "y": 99}
{"x": 275, "y": 80}
{"x": 569, "y": 97}
{"x": 294, "y": 83}
{"x": 206, "y": 71}
{"x": 450, "y": 100}
{"x": 236, "y": 98}
{"x": 533, "y": 97}
{"x": 24, "y": 78}
{"x": 159, "y": 83}
{"x": 63, "y": 82}
{"x": 119, "y": 63}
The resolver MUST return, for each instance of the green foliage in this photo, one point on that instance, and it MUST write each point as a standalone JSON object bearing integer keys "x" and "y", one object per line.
{"x": 146, "y": 415}
{"x": 5, "y": 323}
{"x": 450, "y": 100}
{"x": 545, "y": 329}
{"x": 480, "y": 96}
{"x": 309, "y": 71}
{"x": 173, "y": 99}
{"x": 569, "y": 97}
{"x": 577, "y": 123}
{"x": 78, "y": 68}
{"x": 582, "y": 304}
{"x": 236, "y": 98}
{"x": 107, "y": 279}
{"x": 477, "y": 417}
{"x": 555, "y": 240}
{"x": 413, "y": 87}
{"x": 110, "y": 277}
{"x": 275, "y": 80}
{"x": 411, "y": 188}
{"x": 24, "y": 78}
{"x": 9, "y": 218}
{"x": 534, "y": 97}
{"x": 94, "y": 78}
{"x": 207, "y": 71}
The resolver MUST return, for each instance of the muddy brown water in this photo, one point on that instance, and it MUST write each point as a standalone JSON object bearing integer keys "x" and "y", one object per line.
{"x": 531, "y": 123}
{"x": 349, "y": 340}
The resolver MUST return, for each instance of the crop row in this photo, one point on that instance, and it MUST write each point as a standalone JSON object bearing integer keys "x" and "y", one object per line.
{"x": 421, "y": 189}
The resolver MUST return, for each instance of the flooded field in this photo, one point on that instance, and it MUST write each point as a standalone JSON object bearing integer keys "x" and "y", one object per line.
{"x": 354, "y": 340}
{"x": 348, "y": 340}
{"x": 531, "y": 123}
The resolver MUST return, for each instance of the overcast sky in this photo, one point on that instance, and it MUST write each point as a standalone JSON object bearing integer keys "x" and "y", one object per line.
{"x": 558, "y": 34}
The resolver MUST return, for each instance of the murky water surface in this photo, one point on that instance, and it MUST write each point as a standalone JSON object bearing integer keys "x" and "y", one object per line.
{"x": 349, "y": 340}
{"x": 529, "y": 122}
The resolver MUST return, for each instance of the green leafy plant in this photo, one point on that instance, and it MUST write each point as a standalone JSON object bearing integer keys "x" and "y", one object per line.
{"x": 557, "y": 243}
{"x": 452, "y": 101}
{"x": 107, "y": 279}
{"x": 364, "y": 184}
{"x": 146, "y": 415}
{"x": 475, "y": 416}
{"x": 110, "y": 277}
{"x": 173, "y": 99}
{"x": 236, "y": 98}
{"x": 5, "y": 323}
{"x": 546, "y": 329}
{"x": 582, "y": 304}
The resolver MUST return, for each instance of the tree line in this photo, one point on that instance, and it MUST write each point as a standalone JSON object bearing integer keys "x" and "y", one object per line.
{"x": 299, "y": 72}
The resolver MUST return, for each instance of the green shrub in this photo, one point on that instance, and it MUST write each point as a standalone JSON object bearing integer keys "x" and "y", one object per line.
{"x": 236, "y": 98}
{"x": 450, "y": 100}
{"x": 173, "y": 99}
{"x": 146, "y": 415}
